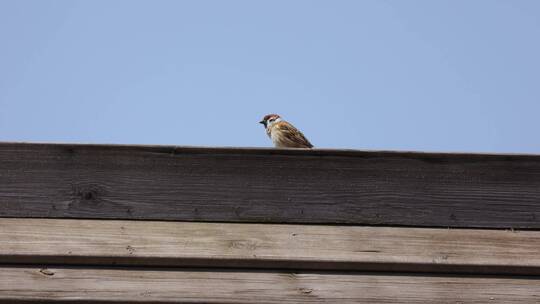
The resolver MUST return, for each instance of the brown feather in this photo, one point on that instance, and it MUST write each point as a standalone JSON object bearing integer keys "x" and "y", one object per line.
{"x": 290, "y": 136}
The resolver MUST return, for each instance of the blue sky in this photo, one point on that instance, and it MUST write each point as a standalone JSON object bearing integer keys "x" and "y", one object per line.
{"x": 455, "y": 75}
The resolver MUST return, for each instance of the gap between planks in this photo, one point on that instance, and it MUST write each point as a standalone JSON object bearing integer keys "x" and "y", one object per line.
{"x": 184, "y": 244}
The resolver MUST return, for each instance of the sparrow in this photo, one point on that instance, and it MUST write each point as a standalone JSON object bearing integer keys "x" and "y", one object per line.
{"x": 283, "y": 134}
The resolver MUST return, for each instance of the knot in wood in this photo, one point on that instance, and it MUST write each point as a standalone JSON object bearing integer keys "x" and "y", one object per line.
{"x": 86, "y": 193}
{"x": 89, "y": 195}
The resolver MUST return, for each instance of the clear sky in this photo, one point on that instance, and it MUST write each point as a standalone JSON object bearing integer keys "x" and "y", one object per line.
{"x": 433, "y": 75}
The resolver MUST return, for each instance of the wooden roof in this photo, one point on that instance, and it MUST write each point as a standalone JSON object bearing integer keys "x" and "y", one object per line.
{"x": 156, "y": 224}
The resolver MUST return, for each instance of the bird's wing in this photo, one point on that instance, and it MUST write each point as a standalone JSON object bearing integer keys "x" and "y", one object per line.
{"x": 293, "y": 135}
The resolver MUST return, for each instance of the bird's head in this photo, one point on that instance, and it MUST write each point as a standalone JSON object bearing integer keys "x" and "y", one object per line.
{"x": 270, "y": 119}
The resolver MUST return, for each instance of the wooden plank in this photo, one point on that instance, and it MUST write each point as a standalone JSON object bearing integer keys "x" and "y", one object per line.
{"x": 206, "y": 286}
{"x": 102, "y": 242}
{"x": 269, "y": 185}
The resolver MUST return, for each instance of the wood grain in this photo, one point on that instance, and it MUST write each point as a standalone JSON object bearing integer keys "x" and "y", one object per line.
{"x": 142, "y": 243}
{"x": 269, "y": 185}
{"x": 81, "y": 285}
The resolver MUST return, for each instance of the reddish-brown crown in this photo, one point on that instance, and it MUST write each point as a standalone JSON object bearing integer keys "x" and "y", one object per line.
{"x": 267, "y": 117}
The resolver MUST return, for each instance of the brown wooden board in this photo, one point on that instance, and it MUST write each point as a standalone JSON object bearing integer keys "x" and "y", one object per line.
{"x": 269, "y": 185}
{"x": 352, "y": 248}
{"x": 83, "y": 285}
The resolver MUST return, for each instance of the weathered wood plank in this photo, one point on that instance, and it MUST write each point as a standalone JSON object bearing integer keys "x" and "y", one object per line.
{"x": 142, "y": 243}
{"x": 269, "y": 185}
{"x": 187, "y": 286}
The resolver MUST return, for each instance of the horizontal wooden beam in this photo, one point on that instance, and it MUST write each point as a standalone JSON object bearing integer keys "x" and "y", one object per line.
{"x": 269, "y": 185}
{"x": 142, "y": 243}
{"x": 82, "y": 285}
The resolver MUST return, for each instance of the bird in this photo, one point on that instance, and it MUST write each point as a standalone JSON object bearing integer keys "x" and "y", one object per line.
{"x": 284, "y": 134}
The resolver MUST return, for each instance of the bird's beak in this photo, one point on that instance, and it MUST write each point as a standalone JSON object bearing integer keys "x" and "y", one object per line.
{"x": 262, "y": 122}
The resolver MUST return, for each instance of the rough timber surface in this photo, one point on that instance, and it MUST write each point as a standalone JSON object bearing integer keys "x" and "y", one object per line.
{"x": 269, "y": 185}
{"x": 269, "y": 246}
{"x": 80, "y": 285}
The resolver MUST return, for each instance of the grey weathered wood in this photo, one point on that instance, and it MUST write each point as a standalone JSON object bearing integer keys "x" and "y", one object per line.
{"x": 269, "y": 185}
{"x": 146, "y": 243}
{"x": 76, "y": 285}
